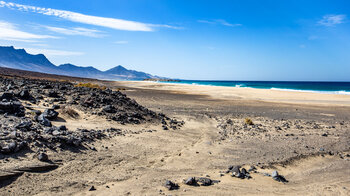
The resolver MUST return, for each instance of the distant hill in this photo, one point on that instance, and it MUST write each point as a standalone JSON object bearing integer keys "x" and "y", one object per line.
{"x": 20, "y": 59}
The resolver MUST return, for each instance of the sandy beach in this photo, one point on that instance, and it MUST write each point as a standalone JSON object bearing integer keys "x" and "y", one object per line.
{"x": 251, "y": 94}
{"x": 303, "y": 136}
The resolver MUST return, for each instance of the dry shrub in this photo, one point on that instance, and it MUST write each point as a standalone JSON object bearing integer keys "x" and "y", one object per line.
{"x": 248, "y": 121}
{"x": 70, "y": 112}
{"x": 90, "y": 85}
{"x": 64, "y": 81}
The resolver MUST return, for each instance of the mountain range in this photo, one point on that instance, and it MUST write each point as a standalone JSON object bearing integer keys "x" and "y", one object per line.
{"x": 20, "y": 59}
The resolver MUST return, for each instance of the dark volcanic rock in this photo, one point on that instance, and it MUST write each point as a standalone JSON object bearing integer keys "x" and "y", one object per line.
{"x": 24, "y": 94}
{"x": 205, "y": 181}
{"x": 7, "y": 96}
{"x": 24, "y": 127}
{"x": 171, "y": 185}
{"x": 43, "y": 157}
{"x": 9, "y": 147}
{"x": 278, "y": 177}
{"x": 12, "y": 107}
{"x": 53, "y": 94}
{"x": 109, "y": 109}
{"x": 50, "y": 114}
{"x": 44, "y": 121}
{"x": 191, "y": 181}
{"x": 240, "y": 173}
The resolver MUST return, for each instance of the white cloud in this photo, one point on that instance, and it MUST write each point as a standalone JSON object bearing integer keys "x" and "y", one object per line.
{"x": 9, "y": 31}
{"x": 50, "y": 53}
{"x": 113, "y": 23}
{"x": 76, "y": 31}
{"x": 332, "y": 20}
{"x": 121, "y": 42}
{"x": 219, "y": 22}
{"x": 40, "y": 44}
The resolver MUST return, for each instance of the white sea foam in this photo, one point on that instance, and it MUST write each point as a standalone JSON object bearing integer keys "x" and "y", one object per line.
{"x": 314, "y": 91}
{"x": 240, "y": 85}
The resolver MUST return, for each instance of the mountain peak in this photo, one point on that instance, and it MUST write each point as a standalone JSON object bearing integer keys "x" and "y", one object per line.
{"x": 20, "y": 59}
{"x": 9, "y": 55}
{"x": 116, "y": 68}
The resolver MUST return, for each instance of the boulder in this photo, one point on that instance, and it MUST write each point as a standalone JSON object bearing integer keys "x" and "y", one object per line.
{"x": 50, "y": 114}
{"x": 44, "y": 121}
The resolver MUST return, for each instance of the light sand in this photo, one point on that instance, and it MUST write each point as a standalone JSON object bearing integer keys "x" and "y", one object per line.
{"x": 231, "y": 93}
{"x": 140, "y": 162}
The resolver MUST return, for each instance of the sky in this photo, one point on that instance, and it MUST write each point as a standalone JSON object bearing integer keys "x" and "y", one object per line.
{"x": 273, "y": 40}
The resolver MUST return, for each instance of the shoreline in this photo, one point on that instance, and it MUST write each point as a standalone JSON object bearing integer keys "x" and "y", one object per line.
{"x": 336, "y": 92}
{"x": 245, "y": 93}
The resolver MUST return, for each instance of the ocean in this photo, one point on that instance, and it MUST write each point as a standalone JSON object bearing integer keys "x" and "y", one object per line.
{"x": 317, "y": 87}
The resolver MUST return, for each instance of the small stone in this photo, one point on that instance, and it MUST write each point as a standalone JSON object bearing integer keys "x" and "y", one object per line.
{"x": 43, "y": 157}
{"x": 244, "y": 171}
{"x": 8, "y": 148}
{"x": 191, "y": 181}
{"x": 13, "y": 135}
{"x": 55, "y": 107}
{"x": 55, "y": 133}
{"x": 171, "y": 185}
{"x": 44, "y": 121}
{"x": 236, "y": 171}
{"x": 62, "y": 128}
{"x": 50, "y": 114}
{"x": 92, "y": 188}
{"x": 274, "y": 173}
{"x": 278, "y": 177}
{"x": 205, "y": 181}
{"x": 252, "y": 168}
{"x": 92, "y": 148}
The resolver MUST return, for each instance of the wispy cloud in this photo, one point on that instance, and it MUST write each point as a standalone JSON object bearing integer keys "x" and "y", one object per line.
{"x": 113, "y": 23}
{"x": 9, "y": 31}
{"x": 50, "y": 52}
{"x": 121, "y": 42}
{"x": 219, "y": 22}
{"x": 332, "y": 20}
{"x": 76, "y": 31}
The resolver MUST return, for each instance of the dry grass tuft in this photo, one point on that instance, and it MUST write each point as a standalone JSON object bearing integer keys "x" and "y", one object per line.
{"x": 90, "y": 85}
{"x": 70, "y": 112}
{"x": 248, "y": 121}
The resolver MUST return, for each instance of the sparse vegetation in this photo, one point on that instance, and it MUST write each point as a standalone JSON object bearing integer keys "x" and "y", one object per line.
{"x": 90, "y": 85}
{"x": 248, "y": 121}
{"x": 70, "y": 112}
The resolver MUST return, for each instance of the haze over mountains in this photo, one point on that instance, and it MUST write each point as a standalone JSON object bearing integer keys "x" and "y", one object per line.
{"x": 20, "y": 59}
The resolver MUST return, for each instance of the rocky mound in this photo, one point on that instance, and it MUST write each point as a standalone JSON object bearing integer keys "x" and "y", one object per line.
{"x": 22, "y": 127}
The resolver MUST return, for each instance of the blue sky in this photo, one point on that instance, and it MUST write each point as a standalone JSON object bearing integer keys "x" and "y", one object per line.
{"x": 189, "y": 39}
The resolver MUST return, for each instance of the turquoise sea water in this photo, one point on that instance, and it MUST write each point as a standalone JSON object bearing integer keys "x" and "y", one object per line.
{"x": 319, "y": 87}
